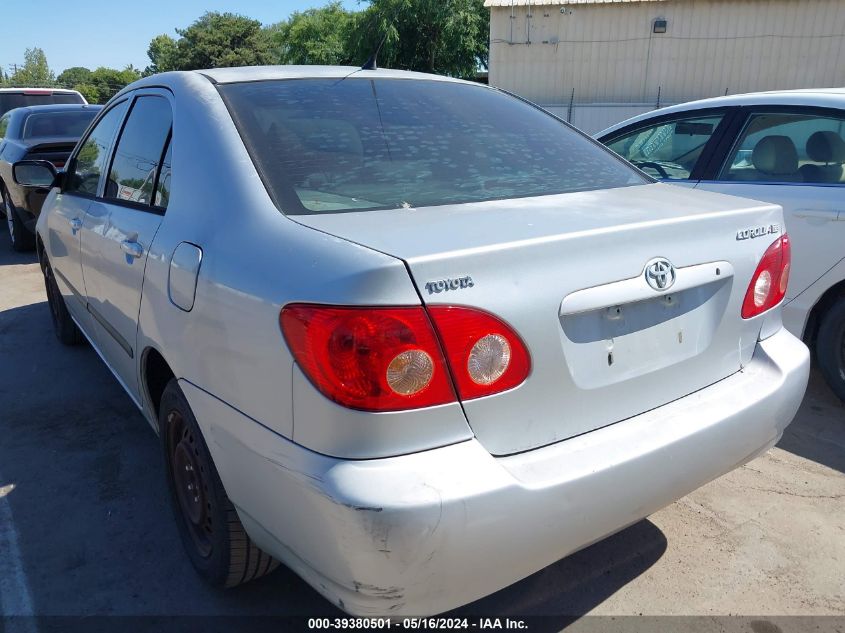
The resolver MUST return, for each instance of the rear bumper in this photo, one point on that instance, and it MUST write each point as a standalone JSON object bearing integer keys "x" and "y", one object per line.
{"x": 423, "y": 533}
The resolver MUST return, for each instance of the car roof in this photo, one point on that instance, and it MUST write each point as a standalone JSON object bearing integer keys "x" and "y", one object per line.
{"x": 265, "y": 73}
{"x": 262, "y": 73}
{"x": 57, "y": 107}
{"x": 38, "y": 90}
{"x": 818, "y": 97}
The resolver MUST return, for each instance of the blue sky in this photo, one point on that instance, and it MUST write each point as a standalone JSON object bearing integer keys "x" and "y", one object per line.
{"x": 115, "y": 33}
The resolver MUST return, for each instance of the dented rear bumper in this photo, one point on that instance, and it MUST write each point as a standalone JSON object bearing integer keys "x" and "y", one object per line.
{"x": 424, "y": 533}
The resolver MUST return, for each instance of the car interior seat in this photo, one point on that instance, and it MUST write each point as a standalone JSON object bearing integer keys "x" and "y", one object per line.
{"x": 331, "y": 149}
{"x": 775, "y": 158}
{"x": 824, "y": 147}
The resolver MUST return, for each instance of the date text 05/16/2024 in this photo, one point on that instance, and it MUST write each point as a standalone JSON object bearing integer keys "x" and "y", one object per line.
{"x": 416, "y": 624}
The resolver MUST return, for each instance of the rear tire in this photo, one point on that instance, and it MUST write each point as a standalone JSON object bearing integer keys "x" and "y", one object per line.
{"x": 22, "y": 239}
{"x": 830, "y": 348}
{"x": 63, "y": 325}
{"x": 211, "y": 532}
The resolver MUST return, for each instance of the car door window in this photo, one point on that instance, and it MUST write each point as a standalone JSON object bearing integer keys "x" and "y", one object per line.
{"x": 670, "y": 149}
{"x": 789, "y": 147}
{"x": 140, "y": 150}
{"x": 4, "y": 125}
{"x": 89, "y": 162}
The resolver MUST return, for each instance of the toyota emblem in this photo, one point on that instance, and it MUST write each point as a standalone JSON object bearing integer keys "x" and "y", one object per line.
{"x": 660, "y": 274}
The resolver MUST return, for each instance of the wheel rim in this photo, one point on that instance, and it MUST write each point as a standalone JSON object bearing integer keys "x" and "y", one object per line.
{"x": 189, "y": 471}
{"x": 7, "y": 209}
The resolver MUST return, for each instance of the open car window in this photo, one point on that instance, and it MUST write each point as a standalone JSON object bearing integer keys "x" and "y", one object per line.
{"x": 670, "y": 149}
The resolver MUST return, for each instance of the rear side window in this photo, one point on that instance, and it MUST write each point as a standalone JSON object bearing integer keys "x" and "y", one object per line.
{"x": 325, "y": 146}
{"x": 57, "y": 124}
{"x": 789, "y": 147}
{"x": 140, "y": 151}
{"x": 4, "y": 125}
{"x": 9, "y": 101}
{"x": 670, "y": 149}
{"x": 90, "y": 160}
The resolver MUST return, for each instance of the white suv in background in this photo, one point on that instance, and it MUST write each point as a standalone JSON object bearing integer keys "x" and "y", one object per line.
{"x": 11, "y": 98}
{"x": 782, "y": 147}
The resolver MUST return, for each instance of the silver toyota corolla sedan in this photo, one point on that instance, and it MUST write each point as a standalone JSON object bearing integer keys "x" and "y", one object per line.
{"x": 413, "y": 337}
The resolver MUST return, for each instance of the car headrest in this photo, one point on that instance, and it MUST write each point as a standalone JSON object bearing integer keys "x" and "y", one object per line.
{"x": 826, "y": 147}
{"x": 328, "y": 135}
{"x": 775, "y": 155}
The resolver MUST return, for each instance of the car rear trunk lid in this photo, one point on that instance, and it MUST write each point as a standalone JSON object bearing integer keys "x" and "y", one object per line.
{"x": 567, "y": 272}
{"x": 57, "y": 152}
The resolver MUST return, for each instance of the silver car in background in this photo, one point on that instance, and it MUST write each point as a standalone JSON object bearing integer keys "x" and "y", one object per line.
{"x": 410, "y": 336}
{"x": 787, "y": 148}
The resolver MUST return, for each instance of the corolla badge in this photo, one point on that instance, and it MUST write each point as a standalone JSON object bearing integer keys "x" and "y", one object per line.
{"x": 660, "y": 274}
{"x": 758, "y": 231}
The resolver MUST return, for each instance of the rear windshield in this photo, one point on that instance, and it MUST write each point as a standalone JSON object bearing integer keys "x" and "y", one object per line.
{"x": 328, "y": 146}
{"x": 47, "y": 124}
{"x": 9, "y": 101}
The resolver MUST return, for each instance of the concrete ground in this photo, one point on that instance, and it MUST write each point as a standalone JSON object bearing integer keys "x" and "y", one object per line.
{"x": 86, "y": 529}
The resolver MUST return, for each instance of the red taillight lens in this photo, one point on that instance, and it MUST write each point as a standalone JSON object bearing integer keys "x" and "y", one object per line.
{"x": 485, "y": 354}
{"x": 770, "y": 280}
{"x": 373, "y": 359}
{"x": 390, "y": 359}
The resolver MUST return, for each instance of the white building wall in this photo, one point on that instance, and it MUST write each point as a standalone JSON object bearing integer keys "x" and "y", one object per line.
{"x": 595, "y": 117}
{"x": 607, "y": 52}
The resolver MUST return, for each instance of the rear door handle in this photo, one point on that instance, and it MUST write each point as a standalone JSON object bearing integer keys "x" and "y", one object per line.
{"x": 821, "y": 214}
{"x": 75, "y": 225}
{"x": 132, "y": 249}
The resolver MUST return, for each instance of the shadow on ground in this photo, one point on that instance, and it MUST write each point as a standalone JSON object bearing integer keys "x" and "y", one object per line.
{"x": 8, "y": 257}
{"x": 818, "y": 431}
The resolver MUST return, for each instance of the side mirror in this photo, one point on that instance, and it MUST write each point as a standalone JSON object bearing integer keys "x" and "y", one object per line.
{"x": 39, "y": 174}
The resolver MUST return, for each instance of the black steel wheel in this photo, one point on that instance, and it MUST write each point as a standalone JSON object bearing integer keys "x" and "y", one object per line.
{"x": 211, "y": 532}
{"x": 830, "y": 347}
{"x": 22, "y": 239}
{"x": 63, "y": 325}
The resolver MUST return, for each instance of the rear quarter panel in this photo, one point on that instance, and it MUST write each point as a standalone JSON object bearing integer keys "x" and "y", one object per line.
{"x": 256, "y": 260}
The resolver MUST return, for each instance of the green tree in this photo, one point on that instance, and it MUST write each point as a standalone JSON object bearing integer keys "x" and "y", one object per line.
{"x": 220, "y": 40}
{"x": 89, "y": 91}
{"x": 73, "y": 76}
{"x": 35, "y": 71}
{"x": 164, "y": 55}
{"x": 314, "y": 36}
{"x": 109, "y": 81}
{"x": 449, "y": 37}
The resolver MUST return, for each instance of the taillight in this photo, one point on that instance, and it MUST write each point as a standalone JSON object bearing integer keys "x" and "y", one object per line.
{"x": 390, "y": 359}
{"x": 373, "y": 359}
{"x": 768, "y": 285}
{"x": 485, "y": 354}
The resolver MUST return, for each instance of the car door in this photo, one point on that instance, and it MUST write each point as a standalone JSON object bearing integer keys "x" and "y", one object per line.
{"x": 792, "y": 156}
{"x": 672, "y": 147}
{"x": 64, "y": 223}
{"x": 122, "y": 223}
